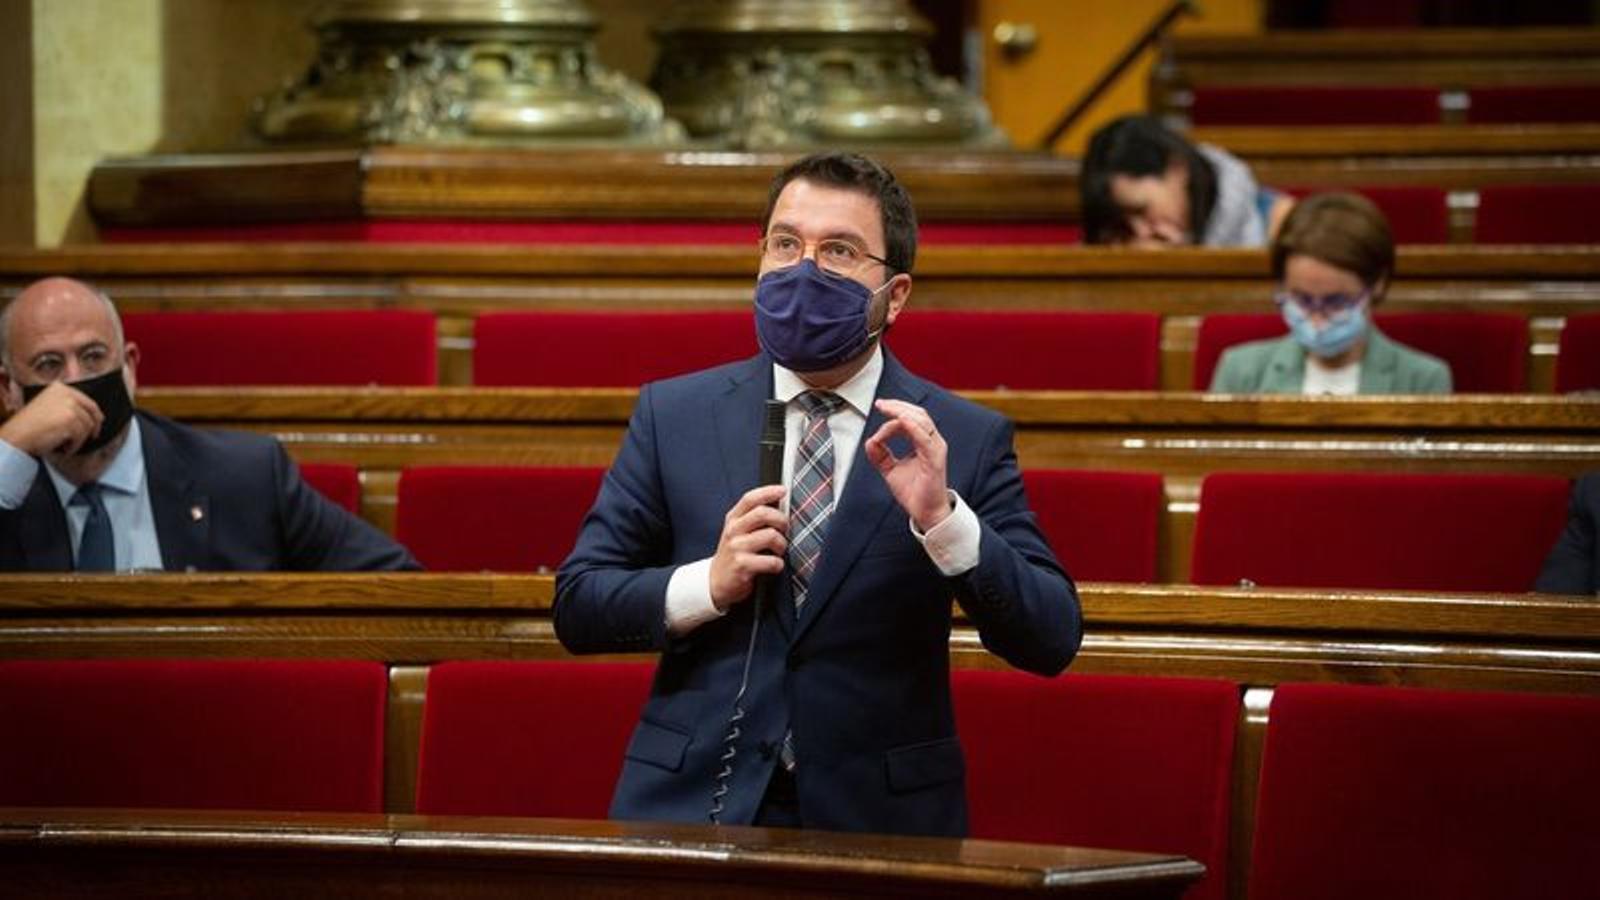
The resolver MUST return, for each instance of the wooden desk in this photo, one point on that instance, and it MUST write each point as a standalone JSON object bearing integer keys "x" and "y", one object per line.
{"x": 1183, "y": 436}
{"x": 120, "y": 853}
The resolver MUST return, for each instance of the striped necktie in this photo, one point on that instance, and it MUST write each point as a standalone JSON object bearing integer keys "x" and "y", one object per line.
{"x": 811, "y": 491}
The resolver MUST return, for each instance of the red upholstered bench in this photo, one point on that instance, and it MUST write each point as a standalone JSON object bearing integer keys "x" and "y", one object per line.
{"x": 1397, "y": 793}
{"x": 1314, "y": 105}
{"x": 605, "y": 349}
{"x": 497, "y": 518}
{"x": 1516, "y": 104}
{"x": 269, "y": 735}
{"x": 339, "y": 482}
{"x": 1538, "y": 214}
{"x": 1487, "y": 352}
{"x": 1031, "y": 350}
{"x": 321, "y": 347}
{"x": 1578, "y": 360}
{"x": 1135, "y": 763}
{"x": 527, "y": 738}
{"x": 1103, "y": 526}
{"x": 1360, "y": 530}
{"x": 1417, "y": 214}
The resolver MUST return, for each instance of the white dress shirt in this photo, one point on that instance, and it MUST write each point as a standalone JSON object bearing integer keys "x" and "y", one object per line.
{"x": 952, "y": 544}
{"x": 124, "y": 490}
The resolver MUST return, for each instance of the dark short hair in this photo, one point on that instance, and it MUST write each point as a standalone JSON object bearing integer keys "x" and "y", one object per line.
{"x": 1138, "y": 146}
{"x": 1341, "y": 229}
{"x": 853, "y": 172}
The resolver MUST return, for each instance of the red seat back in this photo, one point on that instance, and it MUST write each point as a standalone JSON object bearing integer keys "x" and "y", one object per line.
{"x": 1397, "y": 793}
{"x": 1538, "y": 214}
{"x": 1535, "y": 103}
{"x": 1487, "y": 352}
{"x": 339, "y": 482}
{"x": 1103, "y": 526}
{"x": 1031, "y": 350}
{"x": 1135, "y": 763}
{"x": 320, "y": 347}
{"x": 1417, "y": 214}
{"x": 605, "y": 349}
{"x": 1578, "y": 361}
{"x": 278, "y": 735}
{"x": 497, "y": 518}
{"x": 527, "y": 738}
{"x": 1313, "y": 105}
{"x": 1359, "y": 530}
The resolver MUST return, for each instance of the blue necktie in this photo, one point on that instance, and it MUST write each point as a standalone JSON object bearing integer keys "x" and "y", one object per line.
{"x": 96, "y": 551}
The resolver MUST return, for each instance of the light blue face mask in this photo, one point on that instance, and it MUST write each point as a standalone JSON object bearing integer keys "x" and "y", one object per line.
{"x": 1337, "y": 335}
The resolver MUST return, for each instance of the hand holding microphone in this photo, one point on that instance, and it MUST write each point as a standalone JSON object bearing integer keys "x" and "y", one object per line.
{"x": 754, "y": 532}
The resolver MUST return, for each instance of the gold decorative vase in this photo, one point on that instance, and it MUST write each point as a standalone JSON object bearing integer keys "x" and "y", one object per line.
{"x": 754, "y": 74}
{"x": 448, "y": 71}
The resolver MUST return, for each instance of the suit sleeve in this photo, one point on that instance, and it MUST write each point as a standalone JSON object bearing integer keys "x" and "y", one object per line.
{"x": 611, "y": 592}
{"x": 1023, "y": 603}
{"x": 320, "y": 535}
{"x": 1570, "y": 567}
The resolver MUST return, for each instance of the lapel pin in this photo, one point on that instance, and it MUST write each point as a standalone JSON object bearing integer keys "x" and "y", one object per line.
{"x": 196, "y": 513}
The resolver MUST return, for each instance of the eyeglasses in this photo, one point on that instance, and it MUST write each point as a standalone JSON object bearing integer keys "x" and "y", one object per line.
{"x": 835, "y": 256}
{"x": 1332, "y": 305}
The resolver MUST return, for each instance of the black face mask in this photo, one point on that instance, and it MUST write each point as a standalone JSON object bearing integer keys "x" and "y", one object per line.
{"x": 110, "y": 393}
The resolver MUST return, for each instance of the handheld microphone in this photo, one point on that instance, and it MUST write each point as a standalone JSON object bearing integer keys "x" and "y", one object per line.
{"x": 771, "y": 449}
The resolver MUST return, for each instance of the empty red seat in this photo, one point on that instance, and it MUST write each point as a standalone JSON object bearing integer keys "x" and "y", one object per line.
{"x": 321, "y": 347}
{"x": 1534, "y": 103}
{"x": 1578, "y": 360}
{"x": 1391, "y": 793}
{"x": 1313, "y": 105}
{"x": 339, "y": 482}
{"x": 1538, "y": 214}
{"x": 497, "y": 518}
{"x": 1031, "y": 350}
{"x": 1487, "y": 352}
{"x": 605, "y": 349}
{"x": 1417, "y": 214}
{"x": 527, "y": 738}
{"x": 1360, "y": 530}
{"x": 1135, "y": 763}
{"x": 278, "y": 735}
{"x": 1103, "y": 526}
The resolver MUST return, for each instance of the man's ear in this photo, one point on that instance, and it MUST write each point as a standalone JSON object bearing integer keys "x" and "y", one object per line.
{"x": 130, "y": 365}
{"x": 899, "y": 295}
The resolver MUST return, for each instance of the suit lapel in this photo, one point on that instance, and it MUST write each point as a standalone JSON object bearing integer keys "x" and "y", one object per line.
{"x": 1380, "y": 366}
{"x": 47, "y": 548}
{"x": 182, "y": 515}
{"x": 859, "y": 512}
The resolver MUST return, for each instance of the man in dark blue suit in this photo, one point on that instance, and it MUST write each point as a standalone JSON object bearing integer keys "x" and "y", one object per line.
{"x": 1573, "y": 566}
{"x": 896, "y": 498}
{"x": 88, "y": 483}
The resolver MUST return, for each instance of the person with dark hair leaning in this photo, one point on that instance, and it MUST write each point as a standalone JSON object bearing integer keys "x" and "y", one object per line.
{"x": 88, "y": 482}
{"x": 1573, "y": 566}
{"x": 1143, "y": 185}
{"x": 1332, "y": 262}
{"x": 826, "y": 704}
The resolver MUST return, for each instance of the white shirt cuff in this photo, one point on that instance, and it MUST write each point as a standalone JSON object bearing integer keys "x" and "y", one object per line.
{"x": 689, "y": 598}
{"x": 953, "y": 543}
{"x": 17, "y": 471}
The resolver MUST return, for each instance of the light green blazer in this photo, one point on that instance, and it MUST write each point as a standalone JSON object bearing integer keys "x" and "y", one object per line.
{"x": 1278, "y": 366}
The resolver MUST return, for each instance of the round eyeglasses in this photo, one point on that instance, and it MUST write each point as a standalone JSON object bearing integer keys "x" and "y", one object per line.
{"x": 1331, "y": 305}
{"x": 836, "y": 256}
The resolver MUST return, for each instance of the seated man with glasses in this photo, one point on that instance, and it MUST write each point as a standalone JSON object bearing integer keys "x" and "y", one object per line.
{"x": 1333, "y": 260}
{"x": 804, "y": 627}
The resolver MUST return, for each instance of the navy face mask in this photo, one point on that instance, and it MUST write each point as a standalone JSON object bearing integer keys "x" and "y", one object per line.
{"x": 110, "y": 393}
{"x": 808, "y": 320}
